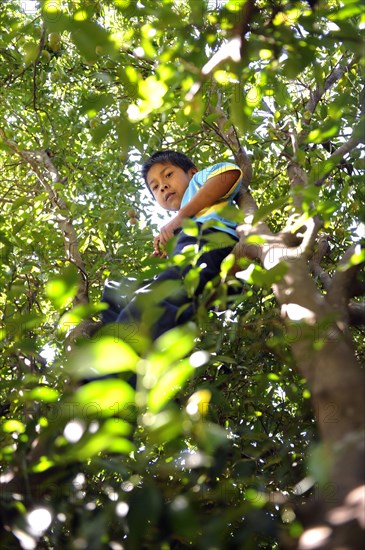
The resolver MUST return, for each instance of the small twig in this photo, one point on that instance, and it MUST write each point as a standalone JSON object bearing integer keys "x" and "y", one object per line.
{"x": 319, "y": 92}
{"x": 336, "y": 157}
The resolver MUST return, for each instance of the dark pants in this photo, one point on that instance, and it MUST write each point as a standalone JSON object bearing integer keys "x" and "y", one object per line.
{"x": 167, "y": 317}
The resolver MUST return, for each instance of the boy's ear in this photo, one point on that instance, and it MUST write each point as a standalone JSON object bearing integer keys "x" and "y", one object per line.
{"x": 193, "y": 171}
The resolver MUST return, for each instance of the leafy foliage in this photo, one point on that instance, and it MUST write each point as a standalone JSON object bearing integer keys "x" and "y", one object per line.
{"x": 211, "y": 449}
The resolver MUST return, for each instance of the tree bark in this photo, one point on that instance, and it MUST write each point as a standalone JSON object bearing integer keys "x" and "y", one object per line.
{"x": 325, "y": 357}
{"x": 317, "y": 327}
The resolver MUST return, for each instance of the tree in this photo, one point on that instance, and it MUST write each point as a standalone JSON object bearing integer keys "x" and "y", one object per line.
{"x": 246, "y": 430}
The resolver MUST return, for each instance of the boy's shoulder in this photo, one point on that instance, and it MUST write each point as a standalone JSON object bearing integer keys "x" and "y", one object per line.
{"x": 215, "y": 169}
{"x": 221, "y": 165}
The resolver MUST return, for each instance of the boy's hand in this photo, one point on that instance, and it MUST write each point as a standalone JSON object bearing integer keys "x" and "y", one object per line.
{"x": 161, "y": 253}
{"x": 166, "y": 233}
{"x": 158, "y": 249}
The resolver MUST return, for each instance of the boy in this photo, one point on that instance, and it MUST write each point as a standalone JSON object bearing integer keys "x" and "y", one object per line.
{"x": 178, "y": 186}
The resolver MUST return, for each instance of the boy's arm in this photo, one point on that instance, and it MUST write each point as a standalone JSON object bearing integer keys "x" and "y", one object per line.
{"x": 213, "y": 189}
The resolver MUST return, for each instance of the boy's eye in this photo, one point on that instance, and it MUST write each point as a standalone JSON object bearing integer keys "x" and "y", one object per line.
{"x": 169, "y": 174}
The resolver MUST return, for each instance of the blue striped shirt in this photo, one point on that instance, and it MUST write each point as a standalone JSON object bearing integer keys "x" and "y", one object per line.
{"x": 213, "y": 212}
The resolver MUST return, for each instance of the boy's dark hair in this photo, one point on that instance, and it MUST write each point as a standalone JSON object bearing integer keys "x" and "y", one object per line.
{"x": 164, "y": 157}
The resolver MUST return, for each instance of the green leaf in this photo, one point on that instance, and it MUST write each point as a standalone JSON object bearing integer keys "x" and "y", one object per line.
{"x": 191, "y": 280}
{"x": 94, "y": 444}
{"x": 328, "y": 130}
{"x": 165, "y": 426}
{"x": 94, "y": 102}
{"x": 100, "y": 399}
{"x": 10, "y": 426}
{"x": 88, "y": 35}
{"x": 27, "y": 321}
{"x": 157, "y": 292}
{"x": 98, "y": 134}
{"x": 173, "y": 345}
{"x": 183, "y": 518}
{"x": 231, "y": 213}
{"x": 145, "y": 507}
{"x": 211, "y": 436}
{"x": 347, "y": 10}
{"x": 256, "y": 275}
{"x": 62, "y": 290}
{"x": 107, "y": 355}
{"x": 54, "y": 17}
{"x": 256, "y": 498}
{"x": 236, "y": 110}
{"x": 20, "y": 202}
{"x": 357, "y": 258}
{"x": 320, "y": 463}
{"x": 227, "y": 264}
{"x": 264, "y": 211}
{"x": 169, "y": 384}
{"x": 218, "y": 239}
{"x": 43, "y": 393}
{"x": 75, "y": 315}
{"x": 190, "y": 227}
{"x": 327, "y": 208}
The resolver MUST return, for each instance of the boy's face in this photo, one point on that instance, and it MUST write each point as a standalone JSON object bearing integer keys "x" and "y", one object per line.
{"x": 168, "y": 184}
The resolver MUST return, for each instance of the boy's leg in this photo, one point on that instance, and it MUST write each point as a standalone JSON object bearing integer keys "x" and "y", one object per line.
{"x": 110, "y": 296}
{"x": 210, "y": 262}
{"x": 117, "y": 295}
{"x": 134, "y": 314}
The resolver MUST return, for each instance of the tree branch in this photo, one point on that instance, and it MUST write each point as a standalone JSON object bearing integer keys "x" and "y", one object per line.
{"x": 358, "y": 288}
{"x": 245, "y": 201}
{"x": 232, "y": 49}
{"x": 319, "y": 92}
{"x": 315, "y": 262}
{"x": 340, "y": 290}
{"x": 47, "y": 174}
{"x": 230, "y": 137}
{"x": 336, "y": 157}
{"x": 356, "y": 312}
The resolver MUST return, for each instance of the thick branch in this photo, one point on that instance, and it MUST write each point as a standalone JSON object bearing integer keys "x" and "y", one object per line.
{"x": 317, "y": 334}
{"x": 244, "y": 249}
